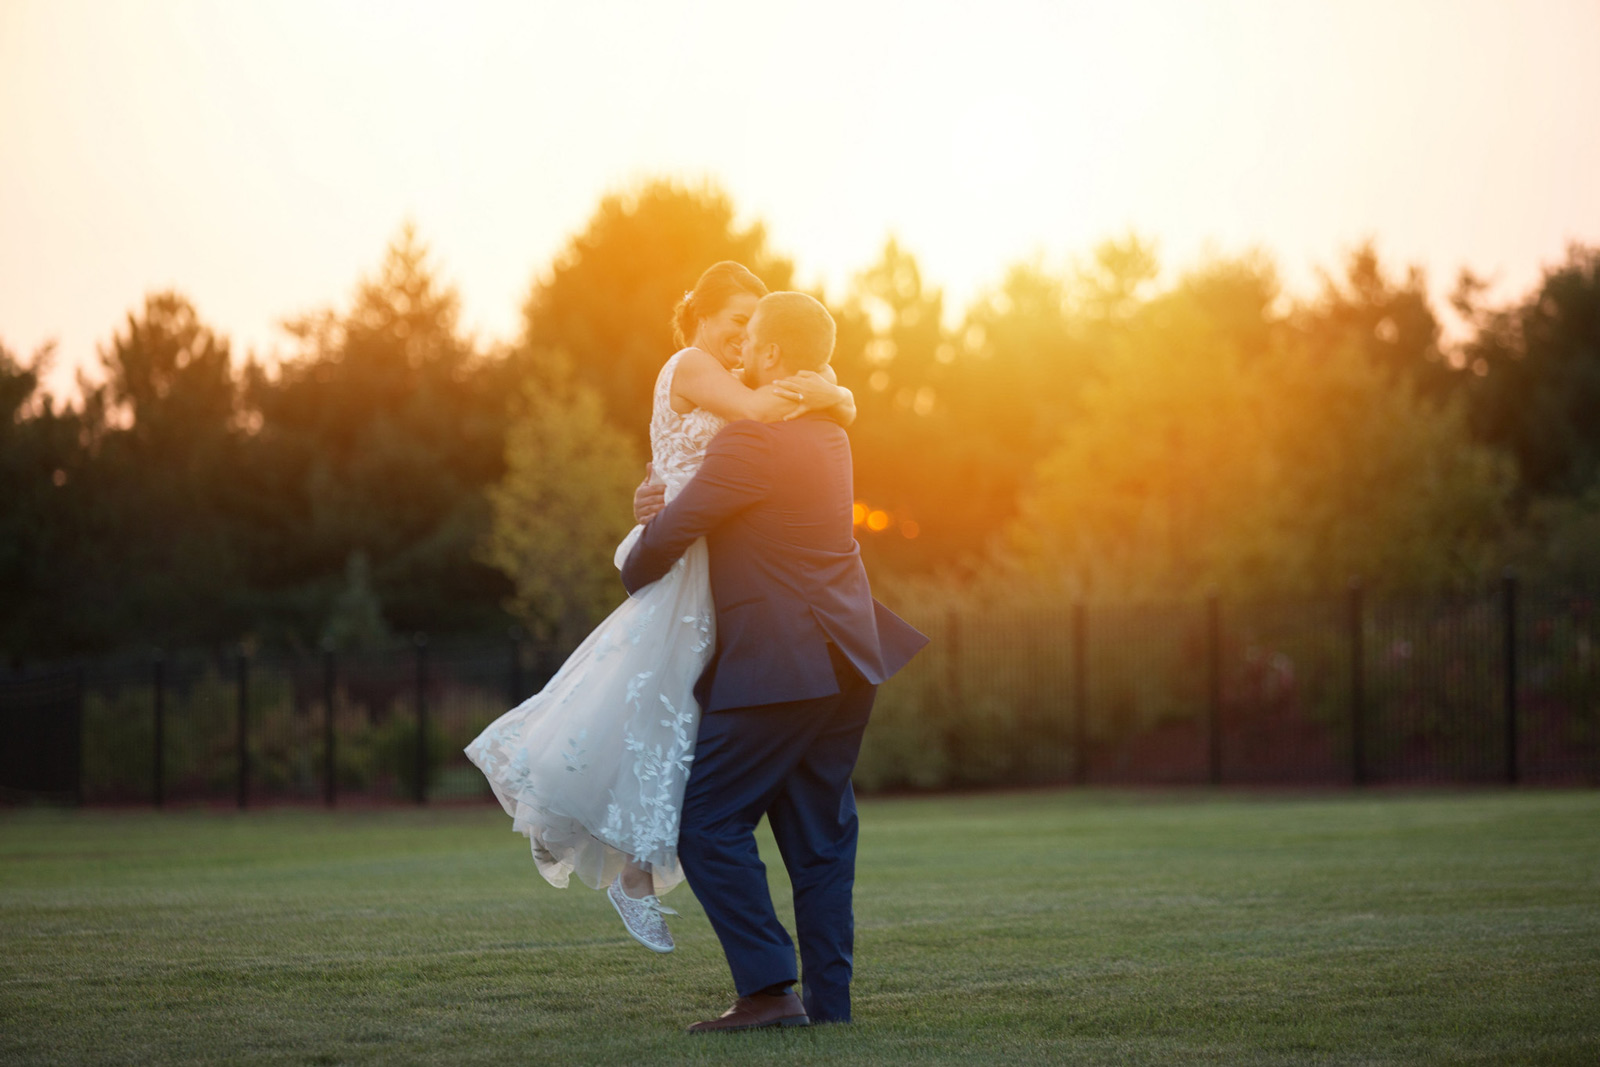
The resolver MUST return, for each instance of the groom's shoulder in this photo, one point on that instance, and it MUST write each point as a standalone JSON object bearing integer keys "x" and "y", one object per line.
{"x": 811, "y": 424}
{"x": 749, "y": 436}
{"x": 813, "y": 434}
{"x": 742, "y": 435}
{"x": 743, "y": 430}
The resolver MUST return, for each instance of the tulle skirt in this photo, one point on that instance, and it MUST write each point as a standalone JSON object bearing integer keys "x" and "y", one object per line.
{"x": 592, "y": 768}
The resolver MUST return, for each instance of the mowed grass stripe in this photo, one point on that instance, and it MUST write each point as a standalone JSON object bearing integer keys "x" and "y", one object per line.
{"x": 1091, "y": 927}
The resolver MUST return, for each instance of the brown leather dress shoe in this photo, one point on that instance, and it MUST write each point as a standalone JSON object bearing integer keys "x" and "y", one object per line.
{"x": 756, "y": 1013}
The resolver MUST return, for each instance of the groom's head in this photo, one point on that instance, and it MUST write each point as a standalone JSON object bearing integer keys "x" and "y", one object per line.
{"x": 789, "y": 333}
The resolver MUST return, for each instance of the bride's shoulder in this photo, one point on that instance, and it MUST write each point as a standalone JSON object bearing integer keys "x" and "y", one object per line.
{"x": 684, "y": 372}
{"x": 692, "y": 355}
{"x": 669, "y": 369}
{"x": 694, "y": 362}
{"x": 689, "y": 355}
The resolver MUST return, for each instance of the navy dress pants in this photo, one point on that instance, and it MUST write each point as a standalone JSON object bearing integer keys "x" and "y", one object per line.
{"x": 790, "y": 762}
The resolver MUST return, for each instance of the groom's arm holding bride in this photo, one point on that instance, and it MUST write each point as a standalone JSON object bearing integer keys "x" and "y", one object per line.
{"x": 732, "y": 478}
{"x": 807, "y": 391}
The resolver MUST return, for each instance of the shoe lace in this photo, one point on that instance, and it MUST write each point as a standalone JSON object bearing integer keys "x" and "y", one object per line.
{"x": 650, "y": 903}
{"x": 653, "y": 903}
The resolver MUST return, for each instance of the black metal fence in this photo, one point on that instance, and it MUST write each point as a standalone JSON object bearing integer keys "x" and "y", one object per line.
{"x": 1502, "y": 687}
{"x": 1498, "y": 687}
{"x": 384, "y": 725}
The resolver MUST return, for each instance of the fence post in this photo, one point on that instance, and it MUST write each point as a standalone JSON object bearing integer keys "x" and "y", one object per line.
{"x": 514, "y": 678}
{"x": 1509, "y": 600}
{"x": 1358, "y": 709}
{"x": 1214, "y": 687}
{"x": 243, "y": 773}
{"x": 1080, "y": 694}
{"x": 159, "y": 693}
{"x": 952, "y": 687}
{"x": 952, "y": 658}
{"x": 77, "y": 736}
{"x": 330, "y": 770}
{"x": 422, "y": 718}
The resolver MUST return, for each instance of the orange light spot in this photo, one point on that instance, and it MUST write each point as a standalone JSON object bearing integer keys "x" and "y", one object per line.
{"x": 877, "y": 521}
{"x": 909, "y": 529}
{"x": 858, "y": 513}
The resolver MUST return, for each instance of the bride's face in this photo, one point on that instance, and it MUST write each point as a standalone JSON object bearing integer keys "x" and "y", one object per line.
{"x": 722, "y": 334}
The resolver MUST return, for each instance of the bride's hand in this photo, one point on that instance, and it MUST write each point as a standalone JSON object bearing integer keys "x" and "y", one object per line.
{"x": 810, "y": 390}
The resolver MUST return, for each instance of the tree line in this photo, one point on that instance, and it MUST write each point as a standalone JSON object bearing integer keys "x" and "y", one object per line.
{"x": 1102, "y": 430}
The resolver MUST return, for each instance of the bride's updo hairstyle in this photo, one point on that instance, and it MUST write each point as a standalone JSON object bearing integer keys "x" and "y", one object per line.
{"x": 720, "y": 283}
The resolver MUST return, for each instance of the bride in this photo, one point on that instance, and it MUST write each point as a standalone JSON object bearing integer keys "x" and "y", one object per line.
{"x": 592, "y": 768}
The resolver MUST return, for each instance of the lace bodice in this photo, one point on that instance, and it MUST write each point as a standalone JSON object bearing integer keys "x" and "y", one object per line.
{"x": 678, "y": 442}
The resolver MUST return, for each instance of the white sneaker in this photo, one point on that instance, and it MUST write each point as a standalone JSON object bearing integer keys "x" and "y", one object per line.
{"x": 642, "y": 917}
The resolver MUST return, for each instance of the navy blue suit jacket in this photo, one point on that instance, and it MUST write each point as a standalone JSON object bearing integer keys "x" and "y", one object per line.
{"x": 774, "y": 505}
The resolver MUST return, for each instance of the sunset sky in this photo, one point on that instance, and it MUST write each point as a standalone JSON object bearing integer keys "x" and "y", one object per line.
{"x": 258, "y": 156}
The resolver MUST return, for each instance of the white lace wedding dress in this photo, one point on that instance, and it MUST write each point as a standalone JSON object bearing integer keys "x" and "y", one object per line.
{"x": 592, "y": 768}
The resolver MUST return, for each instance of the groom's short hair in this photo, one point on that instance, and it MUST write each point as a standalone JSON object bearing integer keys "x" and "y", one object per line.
{"x": 800, "y": 326}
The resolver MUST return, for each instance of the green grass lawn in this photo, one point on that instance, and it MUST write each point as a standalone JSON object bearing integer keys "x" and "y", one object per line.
{"x": 1037, "y": 928}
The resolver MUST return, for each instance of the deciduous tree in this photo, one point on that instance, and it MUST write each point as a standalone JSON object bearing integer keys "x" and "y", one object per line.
{"x": 563, "y": 505}
{"x": 608, "y": 298}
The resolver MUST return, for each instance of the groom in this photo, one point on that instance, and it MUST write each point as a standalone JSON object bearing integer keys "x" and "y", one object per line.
{"x": 801, "y": 650}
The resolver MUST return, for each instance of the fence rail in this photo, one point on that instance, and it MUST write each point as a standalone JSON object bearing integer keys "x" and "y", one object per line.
{"x": 1498, "y": 687}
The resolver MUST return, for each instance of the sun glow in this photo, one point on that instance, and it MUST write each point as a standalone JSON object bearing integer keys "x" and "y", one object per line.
{"x": 879, "y": 520}
{"x": 256, "y": 156}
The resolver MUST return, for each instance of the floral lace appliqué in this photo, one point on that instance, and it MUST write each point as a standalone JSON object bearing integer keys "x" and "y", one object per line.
{"x": 592, "y": 768}
{"x": 573, "y": 754}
